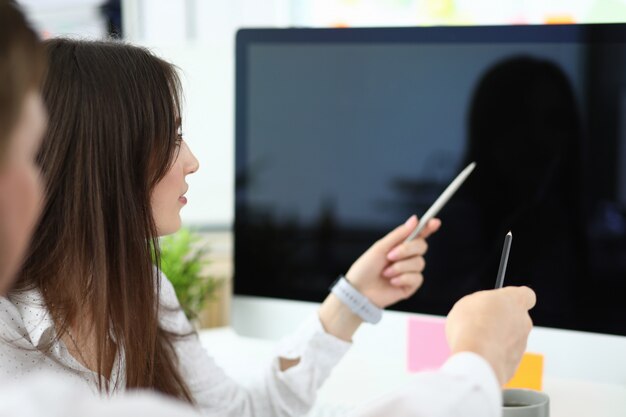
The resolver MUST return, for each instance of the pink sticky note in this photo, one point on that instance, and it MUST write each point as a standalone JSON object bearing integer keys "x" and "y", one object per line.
{"x": 427, "y": 344}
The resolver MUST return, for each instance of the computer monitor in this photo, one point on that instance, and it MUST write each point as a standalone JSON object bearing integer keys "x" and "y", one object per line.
{"x": 341, "y": 134}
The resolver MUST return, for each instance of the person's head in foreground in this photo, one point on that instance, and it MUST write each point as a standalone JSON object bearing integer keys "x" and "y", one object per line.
{"x": 22, "y": 122}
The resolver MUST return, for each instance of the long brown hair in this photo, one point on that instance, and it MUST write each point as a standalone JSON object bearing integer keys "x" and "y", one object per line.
{"x": 112, "y": 135}
{"x": 21, "y": 67}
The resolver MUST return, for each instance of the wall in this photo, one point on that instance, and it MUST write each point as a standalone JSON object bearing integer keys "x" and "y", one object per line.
{"x": 199, "y": 38}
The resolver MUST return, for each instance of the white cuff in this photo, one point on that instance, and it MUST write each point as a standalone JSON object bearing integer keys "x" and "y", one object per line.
{"x": 312, "y": 336}
{"x": 476, "y": 369}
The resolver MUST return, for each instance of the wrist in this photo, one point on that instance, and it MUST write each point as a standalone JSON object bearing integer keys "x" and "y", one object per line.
{"x": 337, "y": 318}
{"x": 362, "y": 289}
{"x": 345, "y": 309}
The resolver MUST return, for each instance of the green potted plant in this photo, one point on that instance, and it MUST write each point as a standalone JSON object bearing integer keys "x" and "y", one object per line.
{"x": 184, "y": 260}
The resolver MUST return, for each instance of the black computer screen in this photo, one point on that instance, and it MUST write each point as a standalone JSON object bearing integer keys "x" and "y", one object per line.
{"x": 341, "y": 134}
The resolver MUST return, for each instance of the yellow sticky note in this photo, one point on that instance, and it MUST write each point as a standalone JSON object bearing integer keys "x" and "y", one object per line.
{"x": 560, "y": 19}
{"x": 529, "y": 373}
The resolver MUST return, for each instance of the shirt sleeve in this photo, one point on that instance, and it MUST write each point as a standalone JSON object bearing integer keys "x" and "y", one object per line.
{"x": 276, "y": 393}
{"x": 465, "y": 386}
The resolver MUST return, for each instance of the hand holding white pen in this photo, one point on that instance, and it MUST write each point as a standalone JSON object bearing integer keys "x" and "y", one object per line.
{"x": 391, "y": 269}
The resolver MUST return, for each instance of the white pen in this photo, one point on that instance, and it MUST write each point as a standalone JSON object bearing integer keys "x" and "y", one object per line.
{"x": 442, "y": 200}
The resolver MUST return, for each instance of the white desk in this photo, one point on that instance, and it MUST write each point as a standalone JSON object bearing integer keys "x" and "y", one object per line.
{"x": 359, "y": 378}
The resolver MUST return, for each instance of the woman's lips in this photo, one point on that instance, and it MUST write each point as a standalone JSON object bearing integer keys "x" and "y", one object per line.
{"x": 182, "y": 199}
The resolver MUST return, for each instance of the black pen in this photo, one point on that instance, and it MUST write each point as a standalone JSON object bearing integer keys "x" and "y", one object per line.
{"x": 504, "y": 259}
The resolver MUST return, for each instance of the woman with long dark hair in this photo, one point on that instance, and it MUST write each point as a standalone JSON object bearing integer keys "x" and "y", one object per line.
{"x": 22, "y": 125}
{"x": 89, "y": 299}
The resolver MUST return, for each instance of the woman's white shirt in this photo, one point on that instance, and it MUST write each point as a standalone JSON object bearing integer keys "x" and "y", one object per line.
{"x": 464, "y": 386}
{"x": 26, "y": 326}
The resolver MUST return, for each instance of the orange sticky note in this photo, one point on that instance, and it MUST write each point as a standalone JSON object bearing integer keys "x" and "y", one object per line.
{"x": 529, "y": 373}
{"x": 560, "y": 19}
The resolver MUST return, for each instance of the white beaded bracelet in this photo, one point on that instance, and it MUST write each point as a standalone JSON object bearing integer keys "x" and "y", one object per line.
{"x": 357, "y": 302}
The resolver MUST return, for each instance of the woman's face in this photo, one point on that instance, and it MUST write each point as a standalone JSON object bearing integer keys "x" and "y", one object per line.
{"x": 168, "y": 196}
{"x": 21, "y": 188}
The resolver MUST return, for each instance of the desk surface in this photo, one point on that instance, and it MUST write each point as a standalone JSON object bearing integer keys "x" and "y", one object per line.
{"x": 242, "y": 356}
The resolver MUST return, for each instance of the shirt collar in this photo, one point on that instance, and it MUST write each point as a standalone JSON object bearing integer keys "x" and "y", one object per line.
{"x": 36, "y": 317}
